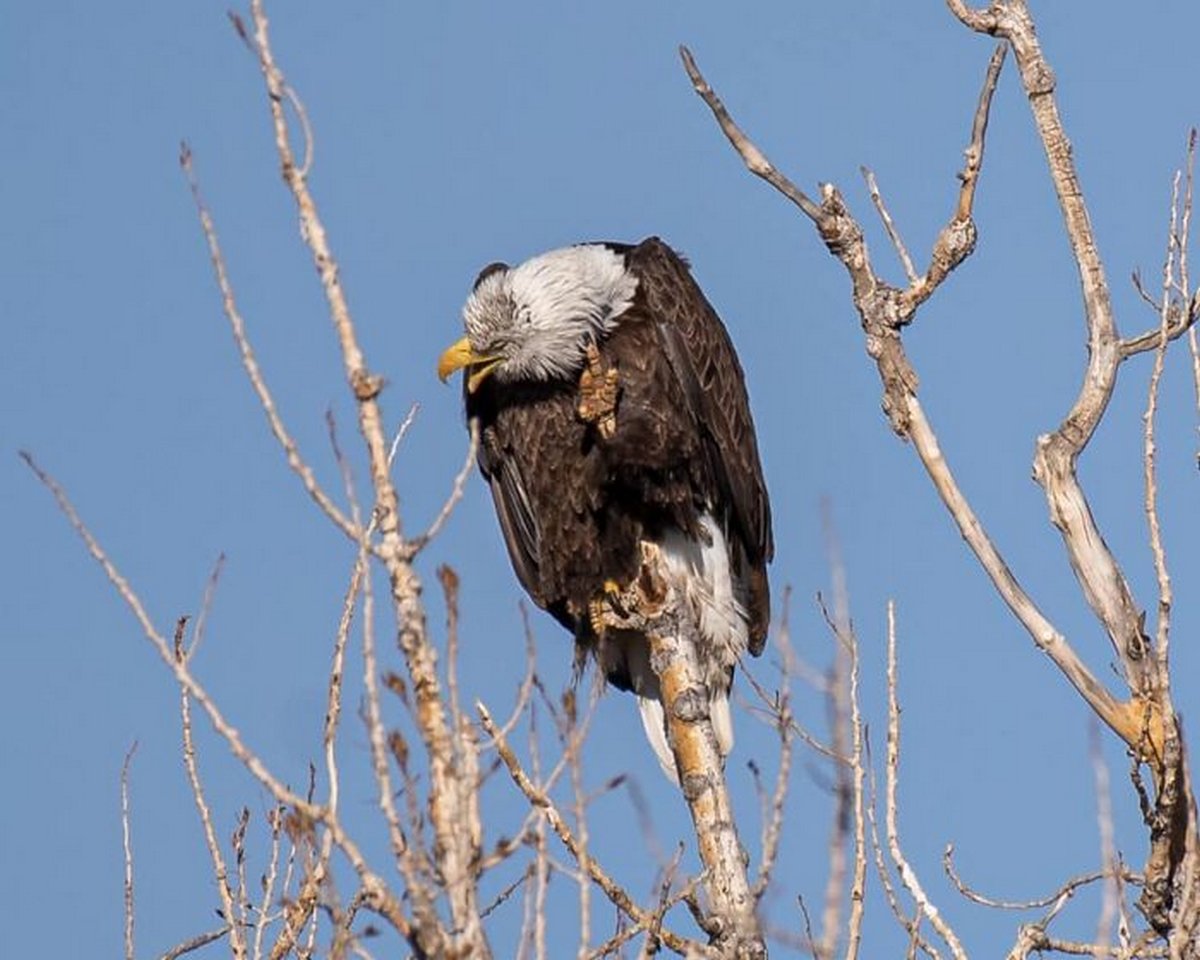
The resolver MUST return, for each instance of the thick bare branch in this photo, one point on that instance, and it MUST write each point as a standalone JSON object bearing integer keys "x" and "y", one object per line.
{"x": 1103, "y": 583}
{"x": 883, "y": 311}
{"x": 981, "y": 21}
{"x": 451, "y": 794}
{"x": 654, "y": 608}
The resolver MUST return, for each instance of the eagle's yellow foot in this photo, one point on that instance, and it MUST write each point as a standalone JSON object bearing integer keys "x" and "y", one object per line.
{"x": 596, "y": 616}
{"x": 598, "y": 395}
{"x": 604, "y": 607}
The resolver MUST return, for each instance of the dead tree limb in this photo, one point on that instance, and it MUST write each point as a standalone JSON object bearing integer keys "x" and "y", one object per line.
{"x": 657, "y": 609}
{"x": 1144, "y": 718}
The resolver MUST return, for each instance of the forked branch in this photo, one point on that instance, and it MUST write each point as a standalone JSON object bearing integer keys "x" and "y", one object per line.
{"x": 883, "y": 310}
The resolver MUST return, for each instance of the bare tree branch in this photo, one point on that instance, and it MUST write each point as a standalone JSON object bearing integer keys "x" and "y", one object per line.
{"x": 756, "y": 161}
{"x": 127, "y": 845}
{"x": 250, "y": 361}
{"x": 194, "y": 943}
{"x": 237, "y": 943}
{"x": 883, "y": 311}
{"x": 1034, "y": 904}
{"x": 908, "y": 876}
{"x": 889, "y": 225}
{"x": 451, "y": 796}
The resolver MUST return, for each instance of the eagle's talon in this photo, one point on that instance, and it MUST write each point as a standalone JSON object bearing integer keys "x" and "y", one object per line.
{"x": 598, "y": 393}
{"x": 597, "y": 616}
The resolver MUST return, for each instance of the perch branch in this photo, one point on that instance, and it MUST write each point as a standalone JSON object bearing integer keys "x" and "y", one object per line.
{"x": 655, "y": 608}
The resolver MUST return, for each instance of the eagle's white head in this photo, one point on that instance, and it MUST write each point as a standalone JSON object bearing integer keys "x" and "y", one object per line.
{"x": 534, "y": 321}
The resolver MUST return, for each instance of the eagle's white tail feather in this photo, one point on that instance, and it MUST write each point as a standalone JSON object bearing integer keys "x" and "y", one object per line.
{"x": 722, "y": 720}
{"x": 655, "y": 724}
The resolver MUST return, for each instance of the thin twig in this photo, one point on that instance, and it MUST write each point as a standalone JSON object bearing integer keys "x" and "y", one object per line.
{"x": 194, "y": 943}
{"x": 1035, "y": 904}
{"x": 1104, "y": 823}
{"x": 908, "y": 876}
{"x": 756, "y": 162}
{"x": 275, "y": 821}
{"x": 858, "y": 884}
{"x": 456, "y": 491}
{"x": 956, "y": 241}
{"x": 614, "y": 891}
{"x": 838, "y": 705}
{"x": 525, "y": 690}
{"x": 127, "y": 844}
{"x": 206, "y": 603}
{"x": 835, "y": 883}
{"x": 910, "y": 926}
{"x": 382, "y": 902}
{"x": 574, "y": 749}
{"x": 773, "y": 819}
{"x": 889, "y": 225}
{"x": 237, "y": 942}
{"x": 504, "y": 894}
{"x": 1175, "y": 251}
{"x": 238, "y": 844}
{"x": 402, "y": 431}
{"x": 1162, "y": 634}
{"x": 250, "y": 362}
{"x": 541, "y": 861}
{"x": 770, "y": 700}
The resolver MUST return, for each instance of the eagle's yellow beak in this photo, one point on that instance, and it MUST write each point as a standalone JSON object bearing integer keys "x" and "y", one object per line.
{"x": 458, "y": 355}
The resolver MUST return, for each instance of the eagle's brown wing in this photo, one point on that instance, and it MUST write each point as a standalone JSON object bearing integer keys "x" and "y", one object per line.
{"x": 703, "y": 358}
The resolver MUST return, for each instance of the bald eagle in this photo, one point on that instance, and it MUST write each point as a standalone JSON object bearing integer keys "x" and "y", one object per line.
{"x": 671, "y": 458}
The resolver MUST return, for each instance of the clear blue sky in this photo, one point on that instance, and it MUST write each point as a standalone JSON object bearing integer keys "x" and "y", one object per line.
{"x": 451, "y": 135}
